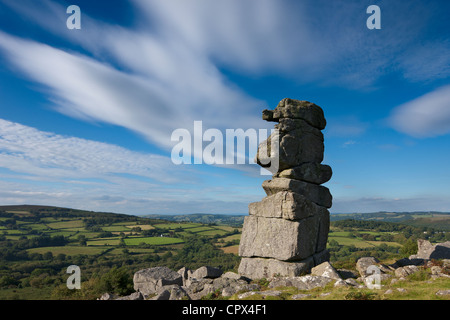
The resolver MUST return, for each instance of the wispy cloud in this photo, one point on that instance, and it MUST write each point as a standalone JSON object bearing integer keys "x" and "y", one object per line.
{"x": 425, "y": 116}
{"x": 28, "y": 151}
{"x": 46, "y": 168}
{"x": 348, "y": 143}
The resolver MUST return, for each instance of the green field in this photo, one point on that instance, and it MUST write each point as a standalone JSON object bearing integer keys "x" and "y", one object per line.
{"x": 152, "y": 241}
{"x": 68, "y": 250}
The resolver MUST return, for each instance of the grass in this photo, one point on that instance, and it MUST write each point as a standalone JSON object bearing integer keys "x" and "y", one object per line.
{"x": 26, "y": 293}
{"x": 116, "y": 228}
{"x": 68, "y": 250}
{"x": 66, "y": 224}
{"x": 142, "y": 226}
{"x": 352, "y": 241}
{"x": 152, "y": 241}
{"x": 212, "y": 232}
{"x": 231, "y": 249}
{"x": 175, "y": 225}
{"x": 104, "y": 242}
{"x": 418, "y": 287}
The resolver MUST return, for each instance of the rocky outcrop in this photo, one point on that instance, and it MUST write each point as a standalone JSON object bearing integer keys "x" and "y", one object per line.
{"x": 427, "y": 251}
{"x": 211, "y": 283}
{"x": 149, "y": 281}
{"x": 286, "y": 233}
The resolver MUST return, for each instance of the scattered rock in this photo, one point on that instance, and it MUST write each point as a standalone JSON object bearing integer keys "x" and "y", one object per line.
{"x": 352, "y": 282}
{"x": 438, "y": 272}
{"x": 307, "y": 282}
{"x": 427, "y": 251}
{"x": 199, "y": 288}
{"x": 259, "y": 268}
{"x": 374, "y": 280}
{"x": 341, "y": 283}
{"x": 229, "y": 284}
{"x": 232, "y": 275}
{"x": 406, "y": 262}
{"x": 346, "y": 274}
{"x": 149, "y": 281}
{"x": 162, "y": 294}
{"x": 443, "y": 292}
{"x": 300, "y": 296}
{"x": 133, "y": 296}
{"x": 185, "y": 275}
{"x": 406, "y": 271}
{"x": 325, "y": 269}
{"x": 108, "y": 296}
{"x": 263, "y": 294}
{"x": 363, "y": 264}
{"x": 206, "y": 272}
{"x": 177, "y": 293}
{"x": 247, "y": 294}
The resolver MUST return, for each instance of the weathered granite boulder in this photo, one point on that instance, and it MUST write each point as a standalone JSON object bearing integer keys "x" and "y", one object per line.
{"x": 108, "y": 296}
{"x": 278, "y": 238}
{"x": 297, "y": 142}
{"x": 309, "y": 172}
{"x": 286, "y": 232}
{"x": 406, "y": 271}
{"x": 428, "y": 251}
{"x": 149, "y": 281}
{"x": 134, "y": 296}
{"x": 206, "y": 272}
{"x": 320, "y": 195}
{"x": 170, "y": 292}
{"x": 364, "y": 263}
{"x": 306, "y": 282}
{"x": 325, "y": 269}
{"x": 297, "y": 109}
{"x": 286, "y": 205}
{"x": 259, "y": 268}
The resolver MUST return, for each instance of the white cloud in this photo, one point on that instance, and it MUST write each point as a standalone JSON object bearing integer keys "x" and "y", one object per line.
{"x": 182, "y": 45}
{"x": 88, "y": 89}
{"x": 45, "y": 168}
{"x": 28, "y": 151}
{"x": 425, "y": 116}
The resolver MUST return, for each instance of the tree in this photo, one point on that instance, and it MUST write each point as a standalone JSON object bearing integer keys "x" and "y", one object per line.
{"x": 409, "y": 248}
{"x": 118, "y": 281}
{"x": 47, "y": 256}
{"x": 82, "y": 240}
{"x": 333, "y": 243}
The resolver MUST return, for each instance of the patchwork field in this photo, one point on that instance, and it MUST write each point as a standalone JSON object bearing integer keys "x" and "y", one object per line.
{"x": 92, "y": 234}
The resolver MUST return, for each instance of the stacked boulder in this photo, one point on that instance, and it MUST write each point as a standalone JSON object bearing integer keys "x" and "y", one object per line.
{"x": 286, "y": 233}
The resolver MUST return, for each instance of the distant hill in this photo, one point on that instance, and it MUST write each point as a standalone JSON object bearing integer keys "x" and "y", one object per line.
{"x": 30, "y": 210}
{"x": 432, "y": 219}
{"x": 205, "y": 218}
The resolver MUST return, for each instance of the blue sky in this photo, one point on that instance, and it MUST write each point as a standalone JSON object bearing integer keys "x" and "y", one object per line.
{"x": 86, "y": 116}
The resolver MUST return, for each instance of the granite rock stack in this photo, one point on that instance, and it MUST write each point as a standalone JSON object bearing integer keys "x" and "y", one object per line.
{"x": 286, "y": 233}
